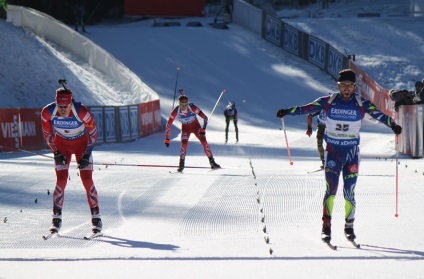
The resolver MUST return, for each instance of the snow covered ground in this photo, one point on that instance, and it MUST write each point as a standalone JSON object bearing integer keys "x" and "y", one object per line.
{"x": 214, "y": 224}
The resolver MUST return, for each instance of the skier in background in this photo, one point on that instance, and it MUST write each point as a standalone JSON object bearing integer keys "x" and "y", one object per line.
{"x": 320, "y": 132}
{"x": 187, "y": 114}
{"x": 231, "y": 114}
{"x": 69, "y": 128}
{"x": 79, "y": 12}
{"x": 343, "y": 112}
{"x": 3, "y": 9}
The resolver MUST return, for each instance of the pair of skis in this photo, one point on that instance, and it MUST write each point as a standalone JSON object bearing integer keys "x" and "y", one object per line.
{"x": 56, "y": 235}
{"x": 210, "y": 170}
{"x": 182, "y": 172}
{"x": 334, "y": 247}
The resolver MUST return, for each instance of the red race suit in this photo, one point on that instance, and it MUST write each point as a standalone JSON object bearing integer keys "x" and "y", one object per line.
{"x": 189, "y": 124}
{"x": 75, "y": 134}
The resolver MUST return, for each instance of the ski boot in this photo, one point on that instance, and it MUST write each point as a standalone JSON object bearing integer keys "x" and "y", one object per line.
{"x": 181, "y": 165}
{"x": 326, "y": 233}
{"x": 349, "y": 233}
{"x": 213, "y": 164}
{"x": 56, "y": 221}
{"x": 96, "y": 221}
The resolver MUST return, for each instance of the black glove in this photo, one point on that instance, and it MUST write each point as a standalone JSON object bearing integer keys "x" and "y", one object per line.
{"x": 59, "y": 158}
{"x": 396, "y": 128}
{"x": 167, "y": 142}
{"x": 202, "y": 132}
{"x": 309, "y": 131}
{"x": 84, "y": 161}
{"x": 282, "y": 112}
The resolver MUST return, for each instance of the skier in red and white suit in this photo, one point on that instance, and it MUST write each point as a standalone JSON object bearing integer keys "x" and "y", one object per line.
{"x": 69, "y": 128}
{"x": 187, "y": 114}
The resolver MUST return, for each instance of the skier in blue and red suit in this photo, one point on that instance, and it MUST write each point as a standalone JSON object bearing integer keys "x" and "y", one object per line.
{"x": 69, "y": 128}
{"x": 344, "y": 112}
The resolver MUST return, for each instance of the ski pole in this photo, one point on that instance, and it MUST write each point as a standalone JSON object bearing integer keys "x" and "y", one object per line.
{"x": 222, "y": 92}
{"x": 287, "y": 142}
{"x": 175, "y": 89}
{"x": 108, "y": 164}
{"x": 397, "y": 176}
{"x": 27, "y": 151}
{"x": 148, "y": 165}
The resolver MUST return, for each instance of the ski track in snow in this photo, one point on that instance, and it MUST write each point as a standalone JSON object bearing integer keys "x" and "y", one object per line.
{"x": 217, "y": 221}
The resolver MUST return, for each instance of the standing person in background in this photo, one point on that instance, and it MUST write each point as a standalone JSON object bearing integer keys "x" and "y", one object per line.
{"x": 344, "y": 112}
{"x": 79, "y": 12}
{"x": 231, "y": 114}
{"x": 3, "y": 9}
{"x": 320, "y": 132}
{"x": 405, "y": 97}
{"x": 69, "y": 128}
{"x": 419, "y": 93}
{"x": 187, "y": 114}
{"x": 229, "y": 7}
{"x": 325, "y": 4}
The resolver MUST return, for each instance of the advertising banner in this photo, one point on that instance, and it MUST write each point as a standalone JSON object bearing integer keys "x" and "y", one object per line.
{"x": 110, "y": 130}
{"x": 97, "y": 113}
{"x": 124, "y": 123}
{"x": 273, "y": 30}
{"x": 150, "y": 119}
{"x": 21, "y": 128}
{"x": 316, "y": 51}
{"x": 291, "y": 39}
{"x": 133, "y": 122}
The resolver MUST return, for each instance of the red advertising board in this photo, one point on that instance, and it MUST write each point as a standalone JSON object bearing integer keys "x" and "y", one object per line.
{"x": 150, "y": 118}
{"x": 372, "y": 91}
{"x": 20, "y": 128}
{"x": 166, "y": 8}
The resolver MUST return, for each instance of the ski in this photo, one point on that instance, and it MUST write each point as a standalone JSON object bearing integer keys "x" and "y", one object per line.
{"x": 50, "y": 235}
{"x": 175, "y": 172}
{"x": 332, "y": 247}
{"x": 93, "y": 235}
{"x": 356, "y": 245}
{"x": 320, "y": 169}
{"x": 215, "y": 169}
{"x": 181, "y": 172}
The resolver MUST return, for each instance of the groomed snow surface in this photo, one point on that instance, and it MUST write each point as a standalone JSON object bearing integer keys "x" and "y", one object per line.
{"x": 222, "y": 223}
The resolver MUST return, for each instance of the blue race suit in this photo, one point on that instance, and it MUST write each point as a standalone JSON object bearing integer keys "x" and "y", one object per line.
{"x": 343, "y": 119}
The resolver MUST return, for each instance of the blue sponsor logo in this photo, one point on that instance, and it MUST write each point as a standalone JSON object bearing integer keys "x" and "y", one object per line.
{"x": 125, "y": 124}
{"x": 331, "y": 164}
{"x": 273, "y": 30}
{"x": 335, "y": 61}
{"x": 110, "y": 124}
{"x": 316, "y": 53}
{"x": 291, "y": 39}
